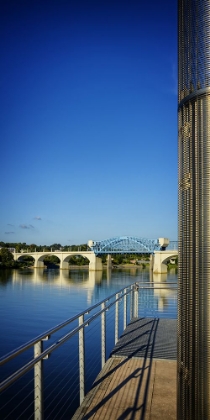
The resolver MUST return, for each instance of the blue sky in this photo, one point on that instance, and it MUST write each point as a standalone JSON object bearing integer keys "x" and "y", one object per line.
{"x": 88, "y": 120}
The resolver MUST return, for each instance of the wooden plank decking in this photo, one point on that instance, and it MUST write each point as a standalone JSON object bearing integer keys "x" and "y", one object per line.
{"x": 139, "y": 379}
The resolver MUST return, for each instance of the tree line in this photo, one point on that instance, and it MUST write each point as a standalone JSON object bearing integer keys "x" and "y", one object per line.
{"x": 22, "y": 246}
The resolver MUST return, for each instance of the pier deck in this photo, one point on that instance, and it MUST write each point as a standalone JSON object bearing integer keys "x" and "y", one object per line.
{"x": 139, "y": 379}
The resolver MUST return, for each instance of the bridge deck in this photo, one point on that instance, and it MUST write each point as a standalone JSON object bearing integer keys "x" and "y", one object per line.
{"x": 139, "y": 379}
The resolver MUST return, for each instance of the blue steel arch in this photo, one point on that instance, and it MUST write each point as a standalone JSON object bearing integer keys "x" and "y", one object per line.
{"x": 126, "y": 245}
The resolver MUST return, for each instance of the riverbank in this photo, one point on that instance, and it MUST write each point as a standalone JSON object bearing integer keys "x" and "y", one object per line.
{"x": 123, "y": 266}
{"x": 142, "y": 265}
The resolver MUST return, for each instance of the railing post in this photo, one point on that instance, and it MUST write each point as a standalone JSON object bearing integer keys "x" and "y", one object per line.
{"x": 125, "y": 309}
{"x": 103, "y": 336}
{"x": 81, "y": 360}
{"x": 131, "y": 302}
{"x": 116, "y": 318}
{"x": 38, "y": 383}
{"x": 135, "y": 314}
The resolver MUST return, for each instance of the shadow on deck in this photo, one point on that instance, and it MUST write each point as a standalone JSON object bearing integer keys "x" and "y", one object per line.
{"x": 139, "y": 379}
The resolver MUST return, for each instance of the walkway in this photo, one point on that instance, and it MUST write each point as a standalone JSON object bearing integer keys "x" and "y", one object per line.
{"x": 139, "y": 379}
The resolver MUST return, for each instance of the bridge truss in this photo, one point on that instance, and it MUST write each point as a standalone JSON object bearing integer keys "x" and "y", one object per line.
{"x": 126, "y": 245}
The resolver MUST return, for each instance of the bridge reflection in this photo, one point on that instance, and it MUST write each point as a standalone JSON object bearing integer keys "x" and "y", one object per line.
{"x": 163, "y": 294}
{"x": 85, "y": 279}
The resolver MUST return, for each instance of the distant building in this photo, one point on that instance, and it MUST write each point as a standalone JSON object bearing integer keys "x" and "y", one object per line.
{"x": 9, "y": 249}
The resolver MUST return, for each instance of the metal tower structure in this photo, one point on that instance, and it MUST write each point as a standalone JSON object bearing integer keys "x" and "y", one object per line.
{"x": 194, "y": 211}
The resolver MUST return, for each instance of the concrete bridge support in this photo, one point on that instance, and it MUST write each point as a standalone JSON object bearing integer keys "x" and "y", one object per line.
{"x": 95, "y": 263}
{"x": 64, "y": 265}
{"x": 109, "y": 261}
{"x": 37, "y": 262}
{"x": 151, "y": 262}
{"x": 158, "y": 266}
{"x": 160, "y": 259}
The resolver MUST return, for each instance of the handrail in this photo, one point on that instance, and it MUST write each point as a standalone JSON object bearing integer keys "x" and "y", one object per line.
{"x": 63, "y": 324}
{"x": 24, "y": 369}
{"x": 51, "y": 331}
{"x": 102, "y": 307}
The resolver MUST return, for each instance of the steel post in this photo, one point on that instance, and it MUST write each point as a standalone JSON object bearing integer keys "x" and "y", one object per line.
{"x": 116, "y": 318}
{"x": 135, "y": 314}
{"x": 131, "y": 303}
{"x": 103, "y": 335}
{"x": 81, "y": 360}
{"x": 124, "y": 309}
{"x": 38, "y": 383}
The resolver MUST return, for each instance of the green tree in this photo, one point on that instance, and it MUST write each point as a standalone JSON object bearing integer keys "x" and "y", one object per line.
{"x": 18, "y": 247}
{"x": 118, "y": 259}
{"x": 55, "y": 247}
{"x": 32, "y": 247}
{"x": 51, "y": 259}
{"x": 6, "y": 258}
{"x": 78, "y": 260}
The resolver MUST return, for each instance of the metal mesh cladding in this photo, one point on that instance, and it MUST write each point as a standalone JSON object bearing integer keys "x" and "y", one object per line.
{"x": 194, "y": 211}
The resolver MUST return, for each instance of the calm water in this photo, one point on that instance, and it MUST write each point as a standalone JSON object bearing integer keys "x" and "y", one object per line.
{"x": 34, "y": 300}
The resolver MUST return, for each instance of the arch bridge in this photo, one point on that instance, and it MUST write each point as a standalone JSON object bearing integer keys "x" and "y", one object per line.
{"x": 64, "y": 257}
{"x": 128, "y": 245}
{"x": 119, "y": 245}
{"x": 161, "y": 250}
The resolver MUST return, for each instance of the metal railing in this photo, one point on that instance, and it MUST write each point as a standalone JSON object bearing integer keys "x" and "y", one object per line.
{"x": 35, "y": 388}
{"x": 173, "y": 245}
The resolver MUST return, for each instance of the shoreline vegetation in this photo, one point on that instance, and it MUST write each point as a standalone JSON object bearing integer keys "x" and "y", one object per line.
{"x": 77, "y": 261}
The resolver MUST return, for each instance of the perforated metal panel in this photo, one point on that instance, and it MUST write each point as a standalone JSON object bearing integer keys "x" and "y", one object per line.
{"x": 194, "y": 211}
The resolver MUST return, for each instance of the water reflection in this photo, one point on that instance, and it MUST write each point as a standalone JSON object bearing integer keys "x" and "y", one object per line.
{"x": 92, "y": 281}
{"x": 58, "y": 277}
{"x": 164, "y": 295}
{"x": 5, "y": 276}
{"x": 34, "y": 300}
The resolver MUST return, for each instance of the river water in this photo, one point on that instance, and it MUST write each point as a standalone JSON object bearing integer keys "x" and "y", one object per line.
{"x": 35, "y": 300}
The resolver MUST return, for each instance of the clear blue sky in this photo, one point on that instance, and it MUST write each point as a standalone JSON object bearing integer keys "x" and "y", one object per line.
{"x": 88, "y": 120}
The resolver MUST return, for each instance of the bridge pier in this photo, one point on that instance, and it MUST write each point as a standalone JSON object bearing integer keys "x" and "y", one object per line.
{"x": 38, "y": 264}
{"x": 95, "y": 263}
{"x": 64, "y": 265}
{"x": 160, "y": 259}
{"x": 109, "y": 261}
{"x": 151, "y": 262}
{"x": 158, "y": 266}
